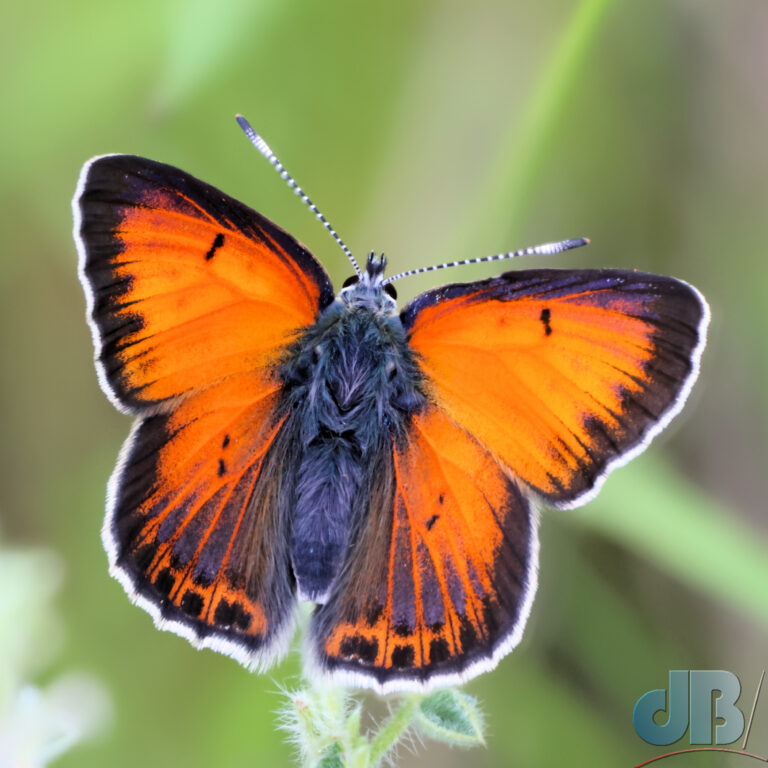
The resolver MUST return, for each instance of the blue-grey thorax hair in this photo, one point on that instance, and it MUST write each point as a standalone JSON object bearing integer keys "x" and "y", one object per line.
{"x": 350, "y": 385}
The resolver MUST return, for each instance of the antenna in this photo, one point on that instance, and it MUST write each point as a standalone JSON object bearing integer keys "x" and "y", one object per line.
{"x": 547, "y": 249}
{"x": 263, "y": 147}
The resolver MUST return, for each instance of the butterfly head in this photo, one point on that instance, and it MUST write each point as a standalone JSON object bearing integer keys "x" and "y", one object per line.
{"x": 369, "y": 290}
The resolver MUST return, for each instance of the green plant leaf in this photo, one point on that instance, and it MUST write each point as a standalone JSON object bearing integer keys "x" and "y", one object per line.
{"x": 452, "y": 717}
{"x": 332, "y": 758}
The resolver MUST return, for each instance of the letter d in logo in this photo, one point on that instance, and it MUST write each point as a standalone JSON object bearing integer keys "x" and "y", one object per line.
{"x": 656, "y": 701}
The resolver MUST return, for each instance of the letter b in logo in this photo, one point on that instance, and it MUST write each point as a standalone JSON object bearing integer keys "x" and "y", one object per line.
{"x": 696, "y": 687}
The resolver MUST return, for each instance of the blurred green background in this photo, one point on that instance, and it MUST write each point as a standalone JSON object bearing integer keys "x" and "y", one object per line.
{"x": 431, "y": 130}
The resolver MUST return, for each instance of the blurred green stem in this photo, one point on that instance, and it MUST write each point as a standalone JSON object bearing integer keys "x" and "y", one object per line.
{"x": 703, "y": 543}
{"x": 513, "y": 172}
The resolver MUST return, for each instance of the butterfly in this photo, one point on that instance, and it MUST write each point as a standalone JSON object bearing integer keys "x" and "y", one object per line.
{"x": 294, "y": 443}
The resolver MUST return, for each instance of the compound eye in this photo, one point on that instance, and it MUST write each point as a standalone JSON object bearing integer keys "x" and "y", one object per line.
{"x": 389, "y": 289}
{"x": 350, "y": 281}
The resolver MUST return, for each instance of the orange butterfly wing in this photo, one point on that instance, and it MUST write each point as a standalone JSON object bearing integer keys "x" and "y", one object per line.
{"x": 440, "y": 581}
{"x": 192, "y": 297}
{"x": 561, "y": 374}
{"x": 186, "y": 285}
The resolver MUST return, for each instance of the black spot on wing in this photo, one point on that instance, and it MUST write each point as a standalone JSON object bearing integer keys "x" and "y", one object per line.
{"x": 231, "y": 615}
{"x": 467, "y": 635}
{"x": 357, "y": 646}
{"x": 164, "y": 582}
{"x": 403, "y": 630}
{"x": 438, "y": 650}
{"x": 192, "y": 603}
{"x": 218, "y": 241}
{"x": 544, "y": 317}
{"x": 403, "y": 656}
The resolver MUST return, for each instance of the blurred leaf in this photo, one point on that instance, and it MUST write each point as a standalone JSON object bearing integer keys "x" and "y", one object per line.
{"x": 43, "y": 724}
{"x": 29, "y": 629}
{"x": 452, "y": 717}
{"x": 37, "y": 725}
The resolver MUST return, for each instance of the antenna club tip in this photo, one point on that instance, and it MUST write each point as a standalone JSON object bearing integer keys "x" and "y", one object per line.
{"x": 576, "y": 242}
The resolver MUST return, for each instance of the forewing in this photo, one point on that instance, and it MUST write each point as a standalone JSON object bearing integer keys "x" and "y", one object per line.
{"x": 185, "y": 285}
{"x": 439, "y": 583}
{"x": 195, "y": 530}
{"x": 561, "y": 374}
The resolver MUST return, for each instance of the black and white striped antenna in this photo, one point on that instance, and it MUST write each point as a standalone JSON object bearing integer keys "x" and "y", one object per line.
{"x": 547, "y": 249}
{"x": 263, "y": 147}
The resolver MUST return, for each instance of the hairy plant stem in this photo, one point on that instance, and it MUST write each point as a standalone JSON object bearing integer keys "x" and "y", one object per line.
{"x": 393, "y": 729}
